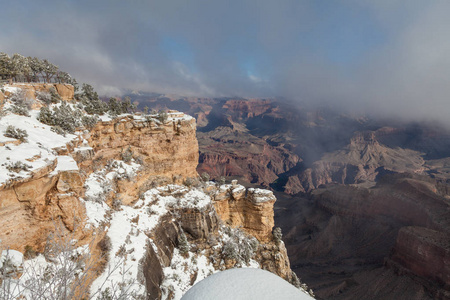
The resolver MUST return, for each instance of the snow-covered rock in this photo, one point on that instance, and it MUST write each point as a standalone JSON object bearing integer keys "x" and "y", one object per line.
{"x": 245, "y": 284}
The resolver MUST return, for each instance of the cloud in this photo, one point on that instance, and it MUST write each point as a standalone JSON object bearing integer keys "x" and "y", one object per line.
{"x": 387, "y": 57}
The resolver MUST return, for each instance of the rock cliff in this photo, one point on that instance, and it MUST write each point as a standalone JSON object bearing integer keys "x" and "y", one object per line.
{"x": 66, "y": 91}
{"x": 425, "y": 253}
{"x": 128, "y": 193}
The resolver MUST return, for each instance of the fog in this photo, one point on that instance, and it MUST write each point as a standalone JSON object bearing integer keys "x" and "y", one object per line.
{"x": 390, "y": 58}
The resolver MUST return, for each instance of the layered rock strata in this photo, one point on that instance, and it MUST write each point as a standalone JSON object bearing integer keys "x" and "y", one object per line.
{"x": 66, "y": 91}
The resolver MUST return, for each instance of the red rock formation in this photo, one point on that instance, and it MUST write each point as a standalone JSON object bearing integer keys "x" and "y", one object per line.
{"x": 248, "y": 108}
{"x": 425, "y": 253}
{"x": 228, "y": 152}
{"x": 360, "y": 161}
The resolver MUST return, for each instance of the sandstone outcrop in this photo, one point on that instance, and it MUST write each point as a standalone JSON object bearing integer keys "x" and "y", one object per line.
{"x": 66, "y": 91}
{"x": 168, "y": 152}
{"x": 249, "y": 209}
{"x": 135, "y": 153}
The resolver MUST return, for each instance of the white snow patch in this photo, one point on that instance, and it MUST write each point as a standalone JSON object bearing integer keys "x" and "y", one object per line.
{"x": 11, "y": 89}
{"x": 260, "y": 195}
{"x": 14, "y": 258}
{"x": 66, "y": 163}
{"x": 245, "y": 284}
{"x": 95, "y": 213}
{"x": 177, "y": 276}
{"x": 36, "y": 152}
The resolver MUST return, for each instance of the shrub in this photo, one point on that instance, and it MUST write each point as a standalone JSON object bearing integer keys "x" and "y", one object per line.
{"x": 89, "y": 121}
{"x": 105, "y": 245}
{"x": 127, "y": 155}
{"x": 17, "y": 167}
{"x": 188, "y": 182}
{"x": 89, "y": 98}
{"x": 58, "y": 130}
{"x": 277, "y": 235}
{"x": 222, "y": 180}
{"x": 2, "y": 113}
{"x": 44, "y": 96}
{"x": 94, "y": 107}
{"x": 116, "y": 204}
{"x": 183, "y": 244}
{"x": 29, "y": 252}
{"x": 19, "y": 110}
{"x": 16, "y": 133}
{"x": 21, "y": 104}
{"x": 63, "y": 117}
{"x": 117, "y": 107}
{"x": 239, "y": 246}
{"x": 114, "y": 107}
{"x": 54, "y": 96}
{"x": 46, "y": 116}
{"x": 205, "y": 177}
{"x": 162, "y": 116}
{"x": 295, "y": 281}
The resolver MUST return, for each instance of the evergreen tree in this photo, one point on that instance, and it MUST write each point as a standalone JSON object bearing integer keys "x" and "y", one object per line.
{"x": 5, "y": 65}
{"x": 49, "y": 70}
{"x": 36, "y": 66}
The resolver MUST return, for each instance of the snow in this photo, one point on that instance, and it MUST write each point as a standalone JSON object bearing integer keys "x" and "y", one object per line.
{"x": 177, "y": 277}
{"x": 95, "y": 213}
{"x": 36, "y": 152}
{"x": 105, "y": 118}
{"x": 15, "y": 258}
{"x": 35, "y": 278}
{"x": 175, "y": 116}
{"x": 260, "y": 195}
{"x": 10, "y": 89}
{"x": 66, "y": 163}
{"x": 129, "y": 238}
{"x": 245, "y": 284}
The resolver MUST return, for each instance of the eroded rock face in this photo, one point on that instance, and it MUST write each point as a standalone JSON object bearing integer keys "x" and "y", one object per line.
{"x": 66, "y": 91}
{"x": 251, "y": 209}
{"x": 169, "y": 153}
{"x": 165, "y": 236}
{"x": 228, "y": 152}
{"x": 166, "y": 149}
{"x": 199, "y": 224}
{"x": 362, "y": 160}
{"x": 361, "y": 226}
{"x": 425, "y": 253}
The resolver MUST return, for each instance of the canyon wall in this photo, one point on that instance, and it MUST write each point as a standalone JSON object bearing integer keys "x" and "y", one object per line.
{"x": 425, "y": 253}
{"x": 162, "y": 152}
{"x": 169, "y": 153}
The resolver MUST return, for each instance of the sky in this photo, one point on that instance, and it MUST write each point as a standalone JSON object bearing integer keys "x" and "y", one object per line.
{"x": 388, "y": 57}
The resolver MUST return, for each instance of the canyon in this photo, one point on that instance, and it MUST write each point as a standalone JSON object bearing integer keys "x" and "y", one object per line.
{"x": 363, "y": 203}
{"x": 127, "y": 190}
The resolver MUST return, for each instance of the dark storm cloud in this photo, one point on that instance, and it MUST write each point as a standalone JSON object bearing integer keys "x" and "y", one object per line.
{"x": 381, "y": 56}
